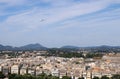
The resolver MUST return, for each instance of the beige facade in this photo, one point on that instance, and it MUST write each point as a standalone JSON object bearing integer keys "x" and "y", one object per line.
{"x": 15, "y": 69}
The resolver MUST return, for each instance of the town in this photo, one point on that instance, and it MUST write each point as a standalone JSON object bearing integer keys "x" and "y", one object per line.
{"x": 81, "y": 38}
{"x": 36, "y": 63}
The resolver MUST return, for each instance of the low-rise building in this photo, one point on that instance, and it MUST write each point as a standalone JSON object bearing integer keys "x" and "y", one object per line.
{"x": 15, "y": 69}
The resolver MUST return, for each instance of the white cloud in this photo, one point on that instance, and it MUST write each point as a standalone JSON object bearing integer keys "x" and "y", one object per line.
{"x": 7, "y": 5}
{"x": 32, "y": 18}
{"x": 56, "y": 15}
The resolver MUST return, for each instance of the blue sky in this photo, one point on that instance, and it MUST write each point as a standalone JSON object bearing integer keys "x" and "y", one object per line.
{"x": 55, "y": 23}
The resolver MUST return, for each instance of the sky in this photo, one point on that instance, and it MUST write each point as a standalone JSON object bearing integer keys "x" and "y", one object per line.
{"x": 55, "y": 23}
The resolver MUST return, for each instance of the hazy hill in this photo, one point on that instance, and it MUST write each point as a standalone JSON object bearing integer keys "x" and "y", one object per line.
{"x": 32, "y": 47}
{"x": 37, "y": 46}
{"x": 70, "y": 47}
{"x": 26, "y": 47}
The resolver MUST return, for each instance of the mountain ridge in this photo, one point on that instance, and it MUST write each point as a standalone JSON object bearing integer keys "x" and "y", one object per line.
{"x": 38, "y": 46}
{"x": 35, "y": 46}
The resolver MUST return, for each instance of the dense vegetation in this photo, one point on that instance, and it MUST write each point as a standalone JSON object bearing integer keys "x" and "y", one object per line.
{"x": 70, "y": 54}
{"x": 44, "y": 76}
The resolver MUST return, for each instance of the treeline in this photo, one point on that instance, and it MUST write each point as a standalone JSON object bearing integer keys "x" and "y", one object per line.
{"x": 117, "y": 76}
{"x": 44, "y": 76}
{"x": 70, "y": 54}
{"x": 29, "y": 76}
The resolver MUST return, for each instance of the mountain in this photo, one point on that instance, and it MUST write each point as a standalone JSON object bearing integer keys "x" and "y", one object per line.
{"x": 32, "y": 47}
{"x": 26, "y": 47}
{"x": 37, "y": 46}
{"x": 102, "y": 48}
{"x": 1, "y": 46}
{"x": 69, "y": 47}
{"x": 5, "y": 47}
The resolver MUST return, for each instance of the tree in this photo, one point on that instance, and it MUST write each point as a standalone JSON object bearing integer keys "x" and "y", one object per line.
{"x": 12, "y": 76}
{"x": 42, "y": 76}
{"x": 96, "y": 77}
{"x": 54, "y": 77}
{"x": 81, "y": 78}
{"x": 105, "y": 77}
{"x": 66, "y": 77}
{"x": 18, "y": 77}
{"x": 27, "y": 76}
{"x": 117, "y": 76}
{"x": 2, "y": 76}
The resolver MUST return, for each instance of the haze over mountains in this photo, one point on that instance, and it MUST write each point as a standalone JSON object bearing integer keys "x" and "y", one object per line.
{"x": 38, "y": 46}
{"x": 25, "y": 47}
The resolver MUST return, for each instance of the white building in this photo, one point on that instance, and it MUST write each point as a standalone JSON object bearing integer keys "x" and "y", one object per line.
{"x": 23, "y": 71}
{"x": 31, "y": 71}
{"x": 38, "y": 70}
{"x": 0, "y": 68}
{"x": 15, "y": 69}
{"x": 55, "y": 72}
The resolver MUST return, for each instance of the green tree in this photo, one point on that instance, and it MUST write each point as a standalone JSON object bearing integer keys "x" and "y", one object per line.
{"x": 117, "y": 76}
{"x": 2, "y": 76}
{"x": 12, "y": 76}
{"x": 18, "y": 77}
{"x": 105, "y": 77}
{"x": 81, "y": 78}
{"x": 27, "y": 76}
{"x": 43, "y": 76}
{"x": 96, "y": 77}
{"x": 54, "y": 77}
{"x": 66, "y": 77}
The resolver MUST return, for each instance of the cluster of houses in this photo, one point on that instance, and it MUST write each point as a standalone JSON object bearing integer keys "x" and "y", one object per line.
{"x": 58, "y": 66}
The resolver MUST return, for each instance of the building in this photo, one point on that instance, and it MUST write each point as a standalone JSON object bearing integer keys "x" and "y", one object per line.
{"x": 55, "y": 72}
{"x": 15, "y": 69}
